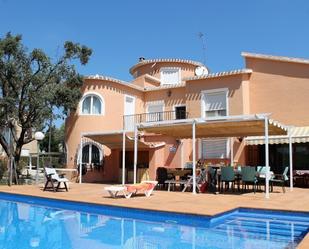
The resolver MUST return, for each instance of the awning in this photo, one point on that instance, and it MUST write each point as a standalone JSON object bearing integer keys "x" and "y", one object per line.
{"x": 233, "y": 126}
{"x": 298, "y": 134}
{"x": 113, "y": 140}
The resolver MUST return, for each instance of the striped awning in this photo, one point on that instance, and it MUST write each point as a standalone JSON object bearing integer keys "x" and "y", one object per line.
{"x": 299, "y": 135}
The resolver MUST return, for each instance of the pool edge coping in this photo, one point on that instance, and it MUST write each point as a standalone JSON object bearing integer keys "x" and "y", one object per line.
{"x": 161, "y": 210}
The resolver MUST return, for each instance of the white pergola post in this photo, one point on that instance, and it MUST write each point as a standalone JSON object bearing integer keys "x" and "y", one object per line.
{"x": 194, "y": 157}
{"x": 266, "y": 159}
{"x": 232, "y": 151}
{"x": 123, "y": 157}
{"x": 81, "y": 160}
{"x": 291, "y": 158}
{"x": 135, "y": 154}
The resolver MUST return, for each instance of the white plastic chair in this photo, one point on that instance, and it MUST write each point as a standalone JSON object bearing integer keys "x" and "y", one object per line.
{"x": 53, "y": 177}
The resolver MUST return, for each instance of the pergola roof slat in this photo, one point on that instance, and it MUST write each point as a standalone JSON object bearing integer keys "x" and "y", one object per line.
{"x": 232, "y": 126}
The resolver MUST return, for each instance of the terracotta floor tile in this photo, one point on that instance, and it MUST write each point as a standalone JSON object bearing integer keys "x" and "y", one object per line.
{"x": 204, "y": 204}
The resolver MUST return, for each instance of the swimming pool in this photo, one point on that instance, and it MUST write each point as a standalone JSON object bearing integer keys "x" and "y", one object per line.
{"x": 31, "y": 222}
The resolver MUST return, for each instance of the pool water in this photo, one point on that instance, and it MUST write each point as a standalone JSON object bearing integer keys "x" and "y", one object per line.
{"x": 30, "y": 222}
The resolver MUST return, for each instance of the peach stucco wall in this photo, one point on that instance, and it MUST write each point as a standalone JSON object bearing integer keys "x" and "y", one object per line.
{"x": 280, "y": 88}
{"x": 112, "y": 119}
{"x": 177, "y": 97}
{"x": 144, "y": 81}
{"x": 153, "y": 69}
{"x": 233, "y": 83}
{"x": 162, "y": 156}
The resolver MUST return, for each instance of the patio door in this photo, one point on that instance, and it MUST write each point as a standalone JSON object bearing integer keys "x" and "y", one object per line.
{"x": 129, "y": 111}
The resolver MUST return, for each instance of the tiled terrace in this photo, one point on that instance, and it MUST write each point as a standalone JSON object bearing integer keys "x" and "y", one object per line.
{"x": 205, "y": 204}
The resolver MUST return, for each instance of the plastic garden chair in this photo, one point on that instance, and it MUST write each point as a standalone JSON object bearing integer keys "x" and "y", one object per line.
{"x": 227, "y": 177}
{"x": 248, "y": 176}
{"x": 52, "y": 177}
{"x": 280, "y": 178}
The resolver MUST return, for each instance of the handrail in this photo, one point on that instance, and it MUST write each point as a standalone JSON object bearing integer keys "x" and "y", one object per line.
{"x": 154, "y": 117}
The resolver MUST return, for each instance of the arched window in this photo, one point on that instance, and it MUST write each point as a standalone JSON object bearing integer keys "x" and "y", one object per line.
{"x": 92, "y": 105}
{"x": 92, "y": 154}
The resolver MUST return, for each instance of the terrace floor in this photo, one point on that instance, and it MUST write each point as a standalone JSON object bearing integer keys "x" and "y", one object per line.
{"x": 204, "y": 204}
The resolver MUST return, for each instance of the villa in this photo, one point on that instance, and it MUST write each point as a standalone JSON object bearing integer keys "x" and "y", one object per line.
{"x": 172, "y": 114}
{"x": 172, "y": 89}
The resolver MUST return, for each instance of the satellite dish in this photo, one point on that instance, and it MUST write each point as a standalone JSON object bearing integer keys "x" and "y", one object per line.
{"x": 200, "y": 71}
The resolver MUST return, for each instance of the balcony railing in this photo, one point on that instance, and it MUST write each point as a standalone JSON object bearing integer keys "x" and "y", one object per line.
{"x": 130, "y": 120}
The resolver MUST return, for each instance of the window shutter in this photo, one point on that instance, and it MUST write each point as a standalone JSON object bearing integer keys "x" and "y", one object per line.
{"x": 215, "y": 101}
{"x": 170, "y": 76}
{"x": 155, "y": 112}
{"x": 214, "y": 148}
{"x": 155, "y": 108}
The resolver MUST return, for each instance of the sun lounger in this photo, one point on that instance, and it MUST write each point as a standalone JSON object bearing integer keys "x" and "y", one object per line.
{"x": 128, "y": 190}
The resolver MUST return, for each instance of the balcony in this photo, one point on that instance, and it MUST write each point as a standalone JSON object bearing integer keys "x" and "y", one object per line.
{"x": 130, "y": 120}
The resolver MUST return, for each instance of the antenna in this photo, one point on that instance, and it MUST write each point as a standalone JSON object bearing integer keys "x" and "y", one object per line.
{"x": 201, "y": 35}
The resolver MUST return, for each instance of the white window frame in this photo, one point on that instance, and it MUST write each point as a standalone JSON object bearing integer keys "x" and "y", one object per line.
{"x": 89, "y": 94}
{"x": 203, "y": 97}
{"x": 90, "y": 150}
{"x": 170, "y": 68}
{"x": 175, "y": 106}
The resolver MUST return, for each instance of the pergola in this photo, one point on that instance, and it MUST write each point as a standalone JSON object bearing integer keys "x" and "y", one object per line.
{"x": 119, "y": 139}
{"x": 229, "y": 126}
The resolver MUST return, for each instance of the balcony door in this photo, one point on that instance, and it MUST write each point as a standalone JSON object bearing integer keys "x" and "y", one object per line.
{"x": 129, "y": 111}
{"x": 180, "y": 112}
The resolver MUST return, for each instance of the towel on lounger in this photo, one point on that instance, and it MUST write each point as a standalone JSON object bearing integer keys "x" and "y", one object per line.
{"x": 140, "y": 187}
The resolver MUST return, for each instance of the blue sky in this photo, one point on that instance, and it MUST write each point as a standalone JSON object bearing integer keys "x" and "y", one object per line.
{"x": 120, "y": 31}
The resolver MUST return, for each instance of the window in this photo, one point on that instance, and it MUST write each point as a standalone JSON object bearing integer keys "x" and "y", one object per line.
{"x": 214, "y": 148}
{"x": 170, "y": 76}
{"x": 214, "y": 103}
{"x": 91, "y": 154}
{"x": 180, "y": 112}
{"x": 155, "y": 112}
{"x": 92, "y": 105}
